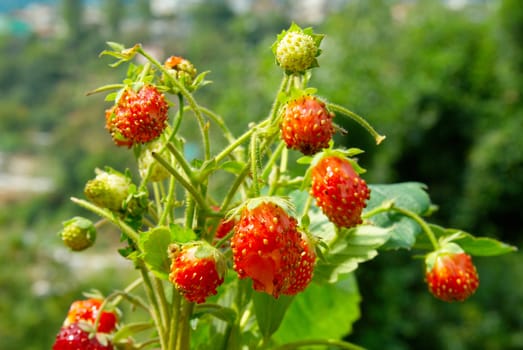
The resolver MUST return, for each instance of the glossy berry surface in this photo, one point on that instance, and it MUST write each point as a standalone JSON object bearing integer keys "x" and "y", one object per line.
{"x": 267, "y": 247}
{"x": 72, "y": 337}
{"x": 339, "y": 191}
{"x": 197, "y": 269}
{"x": 452, "y": 277}
{"x": 307, "y": 125}
{"x": 138, "y": 117}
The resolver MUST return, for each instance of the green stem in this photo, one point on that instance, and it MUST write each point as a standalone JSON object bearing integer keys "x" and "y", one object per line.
{"x": 230, "y": 148}
{"x": 155, "y": 311}
{"x": 269, "y": 166}
{"x": 181, "y": 160}
{"x": 220, "y": 122}
{"x": 235, "y": 185}
{"x": 175, "y": 319}
{"x": 186, "y": 184}
{"x": 183, "y": 341}
{"x": 163, "y": 305}
{"x": 254, "y": 157}
{"x": 178, "y": 118}
{"x": 169, "y": 202}
{"x": 107, "y": 214}
{"x": 360, "y": 120}
{"x": 188, "y": 97}
{"x": 105, "y": 88}
{"x": 410, "y": 214}
{"x": 284, "y": 86}
{"x": 327, "y": 342}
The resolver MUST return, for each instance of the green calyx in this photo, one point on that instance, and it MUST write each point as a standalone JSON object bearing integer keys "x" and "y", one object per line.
{"x": 446, "y": 249}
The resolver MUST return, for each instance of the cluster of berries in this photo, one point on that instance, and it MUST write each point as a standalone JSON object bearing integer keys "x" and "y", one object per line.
{"x": 261, "y": 239}
{"x": 87, "y": 327}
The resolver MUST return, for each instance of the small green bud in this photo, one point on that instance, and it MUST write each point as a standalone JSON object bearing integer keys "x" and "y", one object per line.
{"x": 78, "y": 233}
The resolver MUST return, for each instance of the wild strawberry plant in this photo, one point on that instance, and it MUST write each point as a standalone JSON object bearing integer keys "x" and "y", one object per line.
{"x": 268, "y": 262}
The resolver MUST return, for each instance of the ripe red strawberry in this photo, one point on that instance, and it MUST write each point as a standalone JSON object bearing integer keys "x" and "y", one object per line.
{"x": 137, "y": 117}
{"x": 303, "y": 271}
{"x": 339, "y": 191}
{"x": 307, "y": 125}
{"x": 87, "y": 310}
{"x": 72, "y": 337}
{"x": 197, "y": 269}
{"x": 451, "y": 276}
{"x": 266, "y": 247}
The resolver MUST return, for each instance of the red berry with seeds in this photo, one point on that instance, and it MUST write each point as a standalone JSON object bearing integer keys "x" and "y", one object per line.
{"x": 73, "y": 337}
{"x": 138, "y": 117}
{"x": 339, "y": 191}
{"x": 266, "y": 247}
{"x": 197, "y": 269}
{"x": 88, "y": 310}
{"x": 451, "y": 276}
{"x": 304, "y": 269}
{"x": 307, "y": 125}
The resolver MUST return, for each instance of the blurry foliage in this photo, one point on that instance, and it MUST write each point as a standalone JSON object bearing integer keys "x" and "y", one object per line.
{"x": 443, "y": 85}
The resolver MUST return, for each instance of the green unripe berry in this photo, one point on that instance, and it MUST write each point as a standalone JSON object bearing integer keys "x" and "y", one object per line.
{"x": 296, "y": 52}
{"x": 146, "y": 162}
{"x": 78, "y": 233}
{"x": 108, "y": 189}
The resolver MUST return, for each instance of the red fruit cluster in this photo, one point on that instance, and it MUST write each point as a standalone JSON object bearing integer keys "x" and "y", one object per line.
{"x": 88, "y": 310}
{"x": 452, "y": 277}
{"x": 307, "y": 125}
{"x": 197, "y": 269}
{"x": 73, "y": 337}
{"x": 78, "y": 330}
{"x": 137, "y": 117}
{"x": 268, "y": 248}
{"x": 339, "y": 191}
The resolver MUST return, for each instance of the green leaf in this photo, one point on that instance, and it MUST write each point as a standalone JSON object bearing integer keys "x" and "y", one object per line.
{"x": 233, "y": 167}
{"x": 131, "y": 329}
{"x": 321, "y": 312}
{"x": 270, "y": 311}
{"x": 478, "y": 246}
{"x": 223, "y": 313}
{"x": 408, "y": 195}
{"x": 180, "y": 234}
{"x": 154, "y": 245}
{"x": 346, "y": 252}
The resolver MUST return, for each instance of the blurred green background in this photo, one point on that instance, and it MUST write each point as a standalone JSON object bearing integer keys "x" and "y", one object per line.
{"x": 441, "y": 79}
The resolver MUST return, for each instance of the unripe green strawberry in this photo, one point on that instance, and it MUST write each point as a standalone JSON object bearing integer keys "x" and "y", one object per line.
{"x": 296, "y": 49}
{"x": 306, "y": 125}
{"x": 181, "y": 69}
{"x": 146, "y": 162}
{"x": 109, "y": 189}
{"x": 78, "y": 233}
{"x": 450, "y": 274}
{"x": 197, "y": 269}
